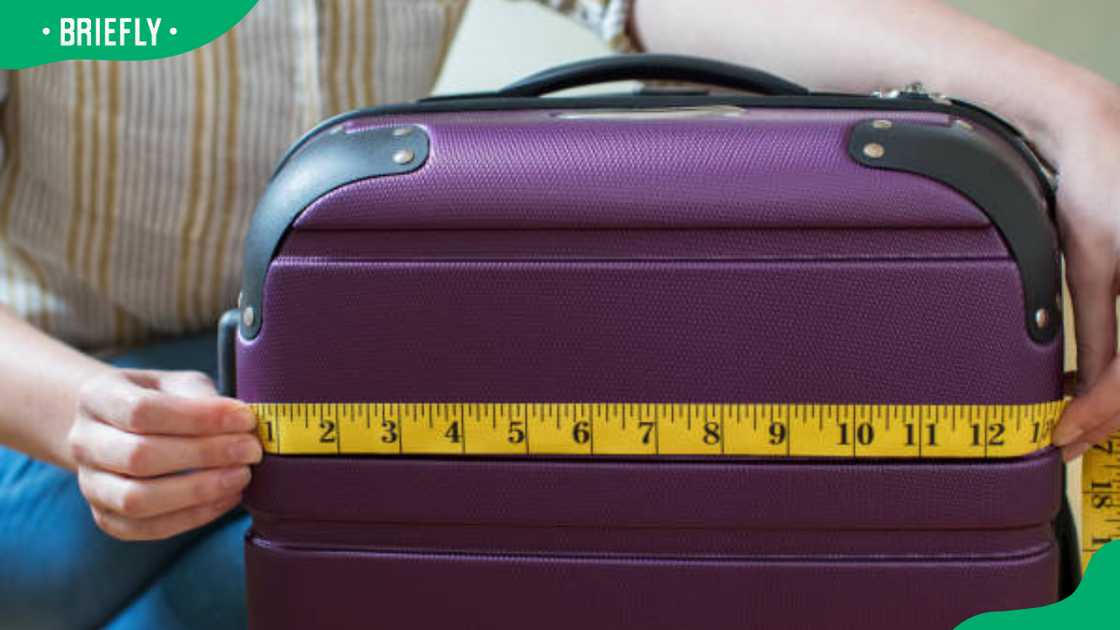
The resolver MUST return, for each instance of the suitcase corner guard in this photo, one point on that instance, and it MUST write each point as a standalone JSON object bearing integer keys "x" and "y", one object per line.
{"x": 329, "y": 160}
{"x": 966, "y": 161}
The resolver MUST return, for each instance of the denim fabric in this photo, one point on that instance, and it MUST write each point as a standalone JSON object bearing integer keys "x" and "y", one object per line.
{"x": 58, "y": 570}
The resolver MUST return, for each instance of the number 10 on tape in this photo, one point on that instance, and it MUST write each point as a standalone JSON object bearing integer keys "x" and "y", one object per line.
{"x": 695, "y": 429}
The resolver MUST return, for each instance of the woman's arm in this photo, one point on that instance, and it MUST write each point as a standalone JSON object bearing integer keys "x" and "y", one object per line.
{"x": 39, "y": 382}
{"x": 156, "y": 453}
{"x": 1072, "y": 114}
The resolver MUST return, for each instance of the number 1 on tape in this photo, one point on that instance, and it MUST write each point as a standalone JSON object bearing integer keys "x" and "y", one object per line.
{"x": 657, "y": 429}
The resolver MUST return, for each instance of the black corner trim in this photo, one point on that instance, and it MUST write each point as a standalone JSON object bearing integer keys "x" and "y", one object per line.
{"x": 971, "y": 164}
{"x": 491, "y": 102}
{"x": 227, "y": 353}
{"x": 331, "y": 159}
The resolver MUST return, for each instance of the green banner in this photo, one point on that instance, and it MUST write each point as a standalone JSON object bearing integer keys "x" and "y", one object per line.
{"x": 1092, "y": 605}
{"x": 34, "y": 33}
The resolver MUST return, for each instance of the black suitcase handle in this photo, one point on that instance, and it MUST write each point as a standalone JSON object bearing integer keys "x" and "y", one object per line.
{"x": 652, "y": 67}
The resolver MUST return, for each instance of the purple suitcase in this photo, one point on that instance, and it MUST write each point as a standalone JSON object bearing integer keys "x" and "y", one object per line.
{"x": 656, "y": 246}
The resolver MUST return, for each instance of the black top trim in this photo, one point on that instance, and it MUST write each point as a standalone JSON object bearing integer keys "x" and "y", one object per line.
{"x": 493, "y": 101}
{"x": 327, "y": 157}
{"x": 971, "y": 164}
{"x": 325, "y": 162}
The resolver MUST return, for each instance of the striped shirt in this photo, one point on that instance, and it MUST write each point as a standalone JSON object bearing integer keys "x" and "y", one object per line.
{"x": 126, "y": 188}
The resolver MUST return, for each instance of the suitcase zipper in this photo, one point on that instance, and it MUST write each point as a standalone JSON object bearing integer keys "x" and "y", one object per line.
{"x": 917, "y": 91}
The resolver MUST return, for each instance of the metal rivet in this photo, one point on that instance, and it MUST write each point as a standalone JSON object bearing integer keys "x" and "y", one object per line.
{"x": 963, "y": 124}
{"x": 1042, "y": 318}
{"x": 403, "y": 156}
{"x": 248, "y": 316}
{"x": 402, "y": 131}
{"x": 882, "y": 124}
{"x": 874, "y": 150}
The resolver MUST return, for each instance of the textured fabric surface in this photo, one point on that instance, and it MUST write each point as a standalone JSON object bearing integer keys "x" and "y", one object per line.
{"x": 652, "y": 542}
{"x": 820, "y": 331}
{"x": 503, "y": 592}
{"x": 731, "y": 257}
{"x": 694, "y": 244}
{"x": 534, "y": 170}
{"x": 741, "y": 494}
{"x": 891, "y": 332}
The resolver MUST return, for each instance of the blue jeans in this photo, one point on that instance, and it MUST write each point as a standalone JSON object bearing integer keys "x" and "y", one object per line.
{"x": 58, "y": 570}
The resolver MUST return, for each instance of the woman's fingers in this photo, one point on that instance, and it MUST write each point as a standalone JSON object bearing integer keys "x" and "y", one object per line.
{"x": 145, "y": 498}
{"x": 1090, "y": 418}
{"x": 1098, "y": 434}
{"x": 164, "y": 525}
{"x": 160, "y": 453}
{"x": 122, "y": 400}
{"x": 100, "y": 445}
{"x": 1073, "y": 451}
{"x": 1091, "y": 274}
{"x": 187, "y": 384}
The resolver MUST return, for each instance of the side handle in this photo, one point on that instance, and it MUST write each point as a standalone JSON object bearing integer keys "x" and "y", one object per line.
{"x": 227, "y": 353}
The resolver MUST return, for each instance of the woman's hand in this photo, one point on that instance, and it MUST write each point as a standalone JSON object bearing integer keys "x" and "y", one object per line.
{"x": 160, "y": 453}
{"x": 1086, "y": 148}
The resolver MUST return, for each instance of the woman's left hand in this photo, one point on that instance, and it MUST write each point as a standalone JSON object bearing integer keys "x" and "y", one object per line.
{"x": 1086, "y": 147}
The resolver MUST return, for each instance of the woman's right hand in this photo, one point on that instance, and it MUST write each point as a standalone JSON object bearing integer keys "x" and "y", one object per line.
{"x": 160, "y": 453}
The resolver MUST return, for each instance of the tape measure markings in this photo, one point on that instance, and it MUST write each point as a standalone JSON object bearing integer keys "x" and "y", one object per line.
{"x": 708, "y": 429}
{"x": 1100, "y": 497}
{"x": 916, "y": 431}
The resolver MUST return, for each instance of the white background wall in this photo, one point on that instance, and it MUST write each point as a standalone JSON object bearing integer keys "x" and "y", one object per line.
{"x": 502, "y": 40}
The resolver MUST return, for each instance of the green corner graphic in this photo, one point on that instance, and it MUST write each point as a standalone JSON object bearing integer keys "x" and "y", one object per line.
{"x": 1090, "y": 606}
{"x": 34, "y": 33}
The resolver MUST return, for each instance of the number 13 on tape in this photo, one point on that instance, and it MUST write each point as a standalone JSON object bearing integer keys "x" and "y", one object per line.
{"x": 656, "y": 429}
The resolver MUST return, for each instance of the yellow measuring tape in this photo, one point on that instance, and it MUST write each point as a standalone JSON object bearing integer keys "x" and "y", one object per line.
{"x": 815, "y": 430}
{"x": 717, "y": 429}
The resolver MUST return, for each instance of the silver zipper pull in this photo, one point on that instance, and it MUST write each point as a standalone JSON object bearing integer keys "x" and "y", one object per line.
{"x": 916, "y": 90}
{"x": 913, "y": 90}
